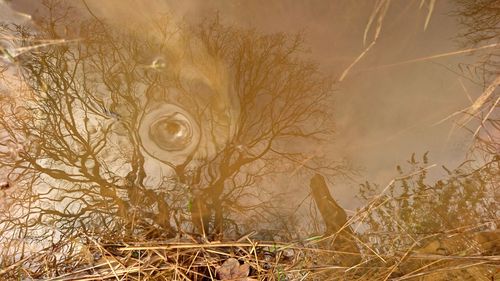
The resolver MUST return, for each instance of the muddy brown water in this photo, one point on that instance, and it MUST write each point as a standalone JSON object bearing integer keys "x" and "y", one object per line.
{"x": 134, "y": 117}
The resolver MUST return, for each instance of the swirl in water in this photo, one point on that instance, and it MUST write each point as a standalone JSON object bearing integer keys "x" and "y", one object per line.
{"x": 196, "y": 116}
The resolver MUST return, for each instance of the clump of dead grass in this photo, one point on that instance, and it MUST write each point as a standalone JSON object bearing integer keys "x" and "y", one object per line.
{"x": 104, "y": 257}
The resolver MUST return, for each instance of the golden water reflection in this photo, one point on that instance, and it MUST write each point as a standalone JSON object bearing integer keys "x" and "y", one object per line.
{"x": 127, "y": 124}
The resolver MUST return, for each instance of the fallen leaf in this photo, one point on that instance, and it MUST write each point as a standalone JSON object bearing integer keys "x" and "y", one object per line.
{"x": 232, "y": 270}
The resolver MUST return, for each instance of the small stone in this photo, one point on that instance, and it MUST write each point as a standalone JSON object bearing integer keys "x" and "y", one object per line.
{"x": 4, "y": 185}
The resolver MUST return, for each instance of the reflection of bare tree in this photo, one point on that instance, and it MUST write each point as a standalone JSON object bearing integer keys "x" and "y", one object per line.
{"x": 122, "y": 128}
{"x": 480, "y": 21}
{"x": 67, "y": 138}
{"x": 281, "y": 98}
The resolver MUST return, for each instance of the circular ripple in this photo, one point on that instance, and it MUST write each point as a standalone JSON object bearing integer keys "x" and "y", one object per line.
{"x": 169, "y": 133}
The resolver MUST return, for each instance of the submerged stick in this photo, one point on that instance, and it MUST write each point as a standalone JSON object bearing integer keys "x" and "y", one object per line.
{"x": 335, "y": 219}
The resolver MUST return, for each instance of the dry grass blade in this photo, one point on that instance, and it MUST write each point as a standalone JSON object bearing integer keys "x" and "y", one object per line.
{"x": 442, "y": 55}
{"x": 15, "y": 52}
{"x": 431, "y": 5}
{"x": 378, "y": 7}
{"x": 481, "y": 100}
{"x": 485, "y": 118}
{"x": 379, "y": 13}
